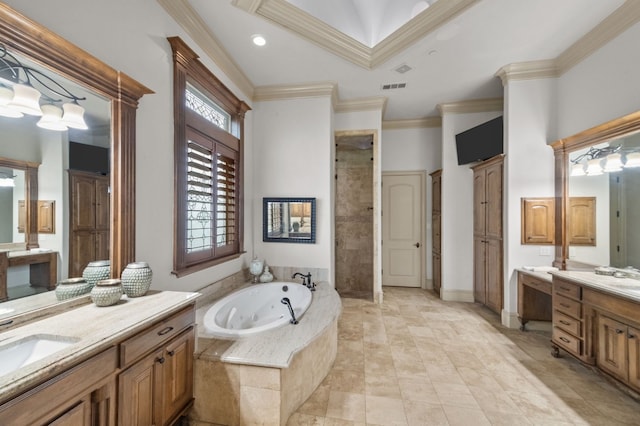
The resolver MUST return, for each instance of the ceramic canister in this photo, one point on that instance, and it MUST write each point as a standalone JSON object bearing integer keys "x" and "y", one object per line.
{"x": 72, "y": 287}
{"x": 96, "y": 271}
{"x": 106, "y": 292}
{"x": 136, "y": 279}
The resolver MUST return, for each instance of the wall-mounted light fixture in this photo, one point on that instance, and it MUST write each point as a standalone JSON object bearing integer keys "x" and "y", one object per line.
{"x": 22, "y": 88}
{"x": 6, "y": 180}
{"x": 608, "y": 159}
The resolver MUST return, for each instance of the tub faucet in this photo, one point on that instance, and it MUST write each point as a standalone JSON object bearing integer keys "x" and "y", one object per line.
{"x": 306, "y": 280}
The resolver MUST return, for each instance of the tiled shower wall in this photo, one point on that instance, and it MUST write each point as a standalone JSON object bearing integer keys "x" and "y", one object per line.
{"x": 354, "y": 221}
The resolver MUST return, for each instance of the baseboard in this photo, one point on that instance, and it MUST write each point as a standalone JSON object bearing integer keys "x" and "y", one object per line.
{"x": 456, "y": 295}
{"x": 378, "y": 297}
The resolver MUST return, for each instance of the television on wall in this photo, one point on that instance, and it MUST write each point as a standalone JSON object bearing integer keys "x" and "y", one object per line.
{"x": 88, "y": 158}
{"x": 481, "y": 142}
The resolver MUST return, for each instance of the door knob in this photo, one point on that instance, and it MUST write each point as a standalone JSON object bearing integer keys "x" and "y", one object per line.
{"x": 417, "y": 245}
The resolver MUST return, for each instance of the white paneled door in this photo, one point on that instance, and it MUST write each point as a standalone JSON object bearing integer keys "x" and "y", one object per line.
{"x": 403, "y": 229}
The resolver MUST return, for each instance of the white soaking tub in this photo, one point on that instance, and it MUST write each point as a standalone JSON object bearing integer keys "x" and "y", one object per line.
{"x": 255, "y": 309}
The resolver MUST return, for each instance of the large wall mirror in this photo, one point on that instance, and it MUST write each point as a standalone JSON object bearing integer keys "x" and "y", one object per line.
{"x": 110, "y": 103}
{"x": 289, "y": 220}
{"x": 598, "y": 186}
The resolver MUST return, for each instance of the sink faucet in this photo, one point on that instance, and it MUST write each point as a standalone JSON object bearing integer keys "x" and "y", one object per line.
{"x": 306, "y": 280}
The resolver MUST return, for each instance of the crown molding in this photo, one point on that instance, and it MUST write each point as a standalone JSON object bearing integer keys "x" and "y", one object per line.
{"x": 610, "y": 27}
{"x": 293, "y": 91}
{"x": 473, "y": 105}
{"x": 192, "y": 24}
{"x": 528, "y": 70}
{"x": 363, "y": 104}
{"x": 418, "y": 123}
{"x": 327, "y": 37}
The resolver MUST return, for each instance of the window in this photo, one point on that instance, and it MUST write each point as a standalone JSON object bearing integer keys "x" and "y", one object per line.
{"x": 208, "y": 166}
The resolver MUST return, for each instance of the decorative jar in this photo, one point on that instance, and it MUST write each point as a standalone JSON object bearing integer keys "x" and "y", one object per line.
{"x": 96, "y": 271}
{"x": 266, "y": 276}
{"x": 136, "y": 279}
{"x": 255, "y": 268}
{"x": 72, "y": 287}
{"x": 107, "y": 292}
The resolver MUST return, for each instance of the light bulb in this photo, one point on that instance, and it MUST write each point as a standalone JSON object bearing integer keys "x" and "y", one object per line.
{"x": 613, "y": 163}
{"x": 593, "y": 167}
{"x": 51, "y": 118}
{"x": 73, "y": 116}
{"x": 633, "y": 160}
{"x": 26, "y": 99}
{"x": 577, "y": 170}
{"x": 6, "y": 95}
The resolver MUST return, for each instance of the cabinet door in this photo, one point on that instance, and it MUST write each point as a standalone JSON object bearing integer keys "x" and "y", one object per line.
{"x": 83, "y": 199}
{"x": 436, "y": 230}
{"x": 479, "y": 201}
{"x": 493, "y": 283}
{"x": 83, "y": 251}
{"x": 633, "y": 335}
{"x": 612, "y": 347}
{"x": 46, "y": 217}
{"x": 581, "y": 221}
{"x": 178, "y": 375}
{"x": 437, "y": 273}
{"x": 479, "y": 271}
{"x": 436, "y": 190}
{"x": 102, "y": 245}
{"x": 75, "y": 416}
{"x": 493, "y": 201}
{"x": 137, "y": 389}
{"x": 538, "y": 221}
{"x": 102, "y": 203}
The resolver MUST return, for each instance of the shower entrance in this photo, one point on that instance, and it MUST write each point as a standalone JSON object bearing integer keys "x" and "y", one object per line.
{"x": 354, "y": 203}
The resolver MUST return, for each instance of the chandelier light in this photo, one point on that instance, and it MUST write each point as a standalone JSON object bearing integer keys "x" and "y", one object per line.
{"x": 593, "y": 167}
{"x": 633, "y": 160}
{"x": 23, "y": 87}
{"x": 613, "y": 163}
{"x": 6, "y": 180}
{"x": 591, "y": 162}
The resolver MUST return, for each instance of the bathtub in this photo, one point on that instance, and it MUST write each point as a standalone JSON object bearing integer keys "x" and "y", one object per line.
{"x": 255, "y": 309}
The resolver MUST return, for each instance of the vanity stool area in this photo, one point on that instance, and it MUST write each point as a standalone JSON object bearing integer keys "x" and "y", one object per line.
{"x": 128, "y": 364}
{"x": 595, "y": 318}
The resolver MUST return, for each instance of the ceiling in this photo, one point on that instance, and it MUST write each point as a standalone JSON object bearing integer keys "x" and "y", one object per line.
{"x": 453, "y": 48}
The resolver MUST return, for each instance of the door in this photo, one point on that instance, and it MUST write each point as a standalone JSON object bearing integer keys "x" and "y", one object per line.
{"x": 178, "y": 375}
{"x": 612, "y": 347}
{"x": 138, "y": 389}
{"x": 403, "y": 229}
{"x": 633, "y": 341}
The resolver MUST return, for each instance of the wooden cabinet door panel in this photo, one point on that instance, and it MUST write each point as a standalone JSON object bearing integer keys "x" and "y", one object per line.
{"x": 437, "y": 273}
{"x": 493, "y": 259}
{"x": 83, "y": 248}
{"x": 479, "y": 270}
{"x": 633, "y": 335}
{"x": 102, "y": 203}
{"x": 479, "y": 201}
{"x": 83, "y": 198}
{"x": 537, "y": 221}
{"x": 178, "y": 375}
{"x": 137, "y": 389}
{"x": 78, "y": 415}
{"x": 612, "y": 347}
{"x": 581, "y": 221}
{"x": 46, "y": 217}
{"x": 494, "y": 201}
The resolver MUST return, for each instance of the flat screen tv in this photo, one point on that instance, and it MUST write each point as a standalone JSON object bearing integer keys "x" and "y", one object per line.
{"x": 88, "y": 158}
{"x": 481, "y": 142}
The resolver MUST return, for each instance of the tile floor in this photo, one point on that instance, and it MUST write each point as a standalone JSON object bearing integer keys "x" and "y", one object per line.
{"x": 416, "y": 360}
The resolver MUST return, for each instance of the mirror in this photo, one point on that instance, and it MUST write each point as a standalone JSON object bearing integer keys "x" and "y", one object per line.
{"x": 119, "y": 93}
{"x": 289, "y": 220}
{"x": 599, "y": 209}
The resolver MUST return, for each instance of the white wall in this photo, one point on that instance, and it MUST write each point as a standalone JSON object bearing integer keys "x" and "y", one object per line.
{"x": 602, "y": 87}
{"x": 292, "y": 154}
{"x": 457, "y": 209}
{"x": 131, "y": 37}
{"x": 530, "y": 124}
{"x": 411, "y": 150}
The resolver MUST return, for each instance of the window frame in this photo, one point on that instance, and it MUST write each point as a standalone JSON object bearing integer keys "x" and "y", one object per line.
{"x": 188, "y": 69}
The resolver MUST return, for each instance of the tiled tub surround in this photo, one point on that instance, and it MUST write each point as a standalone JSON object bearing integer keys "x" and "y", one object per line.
{"x": 263, "y": 379}
{"x": 93, "y": 329}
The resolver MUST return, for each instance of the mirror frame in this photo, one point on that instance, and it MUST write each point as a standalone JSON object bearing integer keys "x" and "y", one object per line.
{"x": 265, "y": 234}
{"x": 31, "y": 194}
{"x": 23, "y": 36}
{"x": 562, "y": 148}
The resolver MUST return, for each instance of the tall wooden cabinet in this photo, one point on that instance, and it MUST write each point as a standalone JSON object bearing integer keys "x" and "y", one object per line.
{"x": 487, "y": 233}
{"x": 89, "y": 220}
{"x": 436, "y": 228}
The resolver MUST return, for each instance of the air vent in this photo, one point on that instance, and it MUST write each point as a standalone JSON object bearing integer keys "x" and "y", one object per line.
{"x": 403, "y": 68}
{"x": 394, "y": 86}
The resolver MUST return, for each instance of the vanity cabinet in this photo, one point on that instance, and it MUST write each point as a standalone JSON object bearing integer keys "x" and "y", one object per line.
{"x": 567, "y": 318}
{"x": 618, "y": 350}
{"x": 83, "y": 395}
{"x": 156, "y": 385}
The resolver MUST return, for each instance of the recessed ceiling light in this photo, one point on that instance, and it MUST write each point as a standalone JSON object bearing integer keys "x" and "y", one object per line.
{"x": 258, "y": 40}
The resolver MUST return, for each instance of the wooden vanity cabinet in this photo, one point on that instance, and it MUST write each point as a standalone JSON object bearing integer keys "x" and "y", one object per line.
{"x": 568, "y": 319}
{"x": 156, "y": 385}
{"x": 83, "y": 395}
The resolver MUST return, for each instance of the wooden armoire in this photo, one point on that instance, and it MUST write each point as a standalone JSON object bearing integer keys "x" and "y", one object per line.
{"x": 487, "y": 233}
{"x": 89, "y": 220}
{"x": 436, "y": 228}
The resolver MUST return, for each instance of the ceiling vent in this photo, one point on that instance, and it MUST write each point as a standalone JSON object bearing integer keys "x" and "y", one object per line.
{"x": 403, "y": 68}
{"x": 394, "y": 86}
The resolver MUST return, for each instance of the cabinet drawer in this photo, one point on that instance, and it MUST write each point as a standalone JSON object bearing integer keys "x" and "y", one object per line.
{"x": 567, "y": 323}
{"x": 568, "y": 342}
{"x": 137, "y": 346}
{"x": 567, "y": 306}
{"x": 567, "y": 289}
{"x": 540, "y": 285}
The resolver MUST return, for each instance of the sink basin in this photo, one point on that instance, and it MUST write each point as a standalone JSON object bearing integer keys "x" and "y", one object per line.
{"x": 25, "y": 351}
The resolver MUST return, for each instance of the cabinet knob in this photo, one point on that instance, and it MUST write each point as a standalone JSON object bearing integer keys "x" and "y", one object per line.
{"x": 160, "y": 360}
{"x": 164, "y": 331}
{"x": 618, "y": 331}
{"x": 632, "y": 336}
{"x": 171, "y": 353}
{"x": 417, "y": 245}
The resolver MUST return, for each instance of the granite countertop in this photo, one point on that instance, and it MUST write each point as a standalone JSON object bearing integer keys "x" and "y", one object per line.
{"x": 92, "y": 329}
{"x": 628, "y": 288}
{"x": 276, "y": 347}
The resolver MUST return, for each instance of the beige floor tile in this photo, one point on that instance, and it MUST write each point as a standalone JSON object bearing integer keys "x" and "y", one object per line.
{"x": 346, "y": 381}
{"x": 385, "y": 385}
{"x": 317, "y": 403}
{"x": 339, "y": 422}
{"x": 385, "y": 411}
{"x": 463, "y": 416}
{"x": 299, "y": 419}
{"x": 346, "y": 406}
{"x": 418, "y": 390}
{"x": 424, "y": 414}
